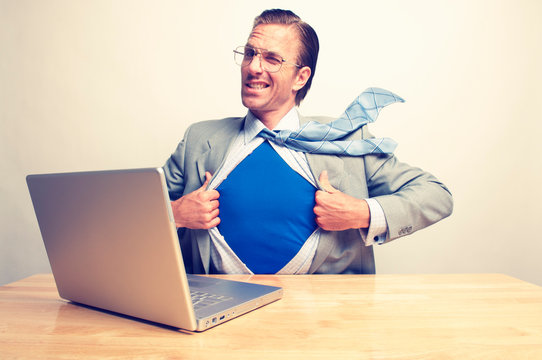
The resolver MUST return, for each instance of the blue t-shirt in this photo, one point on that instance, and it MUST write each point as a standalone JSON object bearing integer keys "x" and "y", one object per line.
{"x": 266, "y": 211}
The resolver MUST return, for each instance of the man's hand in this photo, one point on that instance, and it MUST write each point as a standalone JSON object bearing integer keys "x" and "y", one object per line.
{"x": 336, "y": 211}
{"x": 197, "y": 210}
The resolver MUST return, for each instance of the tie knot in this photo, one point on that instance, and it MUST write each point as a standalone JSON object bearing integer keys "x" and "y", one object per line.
{"x": 278, "y": 137}
{"x": 281, "y": 137}
{"x": 267, "y": 134}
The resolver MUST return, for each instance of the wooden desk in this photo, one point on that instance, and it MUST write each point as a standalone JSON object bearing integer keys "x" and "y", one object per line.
{"x": 320, "y": 317}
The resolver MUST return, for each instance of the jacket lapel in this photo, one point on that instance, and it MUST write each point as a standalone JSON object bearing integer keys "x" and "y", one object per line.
{"x": 320, "y": 162}
{"x": 211, "y": 160}
{"x": 218, "y": 147}
{"x": 335, "y": 168}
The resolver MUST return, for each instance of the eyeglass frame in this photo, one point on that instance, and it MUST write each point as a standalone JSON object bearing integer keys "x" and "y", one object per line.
{"x": 260, "y": 51}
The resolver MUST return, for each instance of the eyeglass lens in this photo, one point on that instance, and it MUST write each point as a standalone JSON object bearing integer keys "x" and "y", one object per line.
{"x": 270, "y": 61}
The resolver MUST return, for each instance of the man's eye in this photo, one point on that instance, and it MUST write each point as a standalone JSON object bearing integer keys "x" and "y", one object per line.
{"x": 249, "y": 53}
{"x": 273, "y": 59}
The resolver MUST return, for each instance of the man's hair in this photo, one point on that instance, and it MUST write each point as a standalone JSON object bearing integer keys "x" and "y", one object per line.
{"x": 307, "y": 36}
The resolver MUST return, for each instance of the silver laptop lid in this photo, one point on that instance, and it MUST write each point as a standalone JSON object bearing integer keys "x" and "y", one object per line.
{"x": 98, "y": 228}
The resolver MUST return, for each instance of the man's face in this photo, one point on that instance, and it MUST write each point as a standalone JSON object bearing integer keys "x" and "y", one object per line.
{"x": 267, "y": 94}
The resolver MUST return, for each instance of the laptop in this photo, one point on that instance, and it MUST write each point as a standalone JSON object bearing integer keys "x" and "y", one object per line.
{"x": 112, "y": 244}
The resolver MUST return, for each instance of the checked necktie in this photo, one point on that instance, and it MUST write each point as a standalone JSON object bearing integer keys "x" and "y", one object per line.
{"x": 319, "y": 138}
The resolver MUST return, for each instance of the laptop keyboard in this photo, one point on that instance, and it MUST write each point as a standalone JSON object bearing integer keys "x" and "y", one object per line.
{"x": 202, "y": 299}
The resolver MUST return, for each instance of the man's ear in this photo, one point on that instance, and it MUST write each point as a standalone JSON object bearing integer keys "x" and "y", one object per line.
{"x": 302, "y": 77}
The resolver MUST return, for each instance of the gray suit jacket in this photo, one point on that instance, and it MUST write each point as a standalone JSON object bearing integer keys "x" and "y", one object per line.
{"x": 410, "y": 198}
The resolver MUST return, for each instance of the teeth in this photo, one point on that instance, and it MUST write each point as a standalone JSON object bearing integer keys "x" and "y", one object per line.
{"x": 257, "y": 86}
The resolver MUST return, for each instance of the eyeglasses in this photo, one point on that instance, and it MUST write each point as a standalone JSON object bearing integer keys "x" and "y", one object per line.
{"x": 270, "y": 61}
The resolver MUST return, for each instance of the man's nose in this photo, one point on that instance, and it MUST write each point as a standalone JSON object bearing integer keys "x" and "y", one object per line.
{"x": 256, "y": 65}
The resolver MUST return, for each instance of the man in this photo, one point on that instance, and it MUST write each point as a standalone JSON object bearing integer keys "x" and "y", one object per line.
{"x": 244, "y": 204}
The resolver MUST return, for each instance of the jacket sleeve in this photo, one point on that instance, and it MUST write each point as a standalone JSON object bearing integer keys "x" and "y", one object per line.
{"x": 411, "y": 198}
{"x": 174, "y": 170}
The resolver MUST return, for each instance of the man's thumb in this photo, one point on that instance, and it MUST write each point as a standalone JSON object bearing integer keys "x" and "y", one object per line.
{"x": 324, "y": 182}
{"x": 208, "y": 177}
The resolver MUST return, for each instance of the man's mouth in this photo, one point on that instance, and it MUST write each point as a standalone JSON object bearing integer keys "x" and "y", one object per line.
{"x": 257, "y": 85}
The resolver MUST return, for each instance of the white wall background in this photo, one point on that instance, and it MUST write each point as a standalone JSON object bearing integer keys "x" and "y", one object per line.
{"x": 113, "y": 84}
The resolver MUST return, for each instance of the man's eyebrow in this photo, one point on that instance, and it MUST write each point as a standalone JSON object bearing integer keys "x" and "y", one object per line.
{"x": 252, "y": 46}
{"x": 270, "y": 52}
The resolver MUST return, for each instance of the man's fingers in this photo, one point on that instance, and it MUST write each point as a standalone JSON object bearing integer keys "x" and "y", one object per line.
{"x": 198, "y": 209}
{"x": 213, "y": 223}
{"x": 208, "y": 195}
{"x": 213, "y": 205}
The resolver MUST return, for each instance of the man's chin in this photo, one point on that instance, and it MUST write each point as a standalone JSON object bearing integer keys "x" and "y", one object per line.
{"x": 252, "y": 103}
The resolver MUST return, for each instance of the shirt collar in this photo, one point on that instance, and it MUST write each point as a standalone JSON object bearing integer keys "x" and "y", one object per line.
{"x": 253, "y": 125}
